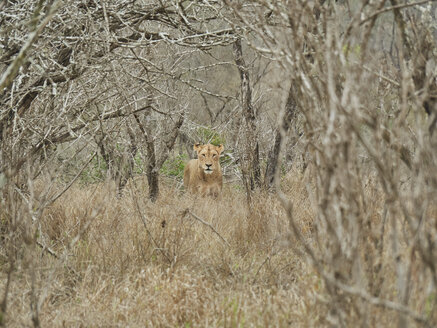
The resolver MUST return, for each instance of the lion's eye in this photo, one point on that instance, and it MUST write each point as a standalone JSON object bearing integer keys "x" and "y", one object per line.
{"x": 214, "y": 155}
{"x": 203, "y": 155}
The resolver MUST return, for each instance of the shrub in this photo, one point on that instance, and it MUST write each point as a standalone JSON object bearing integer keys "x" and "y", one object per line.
{"x": 174, "y": 167}
{"x": 208, "y": 135}
{"x": 95, "y": 171}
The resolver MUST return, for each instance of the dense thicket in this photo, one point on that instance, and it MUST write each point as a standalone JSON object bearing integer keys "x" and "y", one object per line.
{"x": 331, "y": 107}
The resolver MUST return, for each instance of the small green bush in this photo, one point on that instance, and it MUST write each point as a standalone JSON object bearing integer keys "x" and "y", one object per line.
{"x": 95, "y": 171}
{"x": 174, "y": 167}
{"x": 139, "y": 164}
{"x": 354, "y": 50}
{"x": 208, "y": 135}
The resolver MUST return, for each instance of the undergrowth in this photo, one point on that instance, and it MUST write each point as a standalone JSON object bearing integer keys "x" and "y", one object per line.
{"x": 124, "y": 261}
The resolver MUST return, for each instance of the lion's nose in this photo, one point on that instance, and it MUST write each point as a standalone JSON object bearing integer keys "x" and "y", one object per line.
{"x": 208, "y": 165}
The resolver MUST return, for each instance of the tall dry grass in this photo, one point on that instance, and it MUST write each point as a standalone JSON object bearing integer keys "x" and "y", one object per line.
{"x": 124, "y": 261}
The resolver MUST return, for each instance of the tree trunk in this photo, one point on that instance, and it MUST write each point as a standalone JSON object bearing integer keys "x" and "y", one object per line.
{"x": 120, "y": 165}
{"x": 154, "y": 164}
{"x": 251, "y": 156}
{"x": 272, "y": 163}
{"x": 152, "y": 173}
{"x": 130, "y": 160}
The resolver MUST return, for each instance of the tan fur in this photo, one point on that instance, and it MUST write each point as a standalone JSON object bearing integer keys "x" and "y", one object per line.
{"x": 196, "y": 176}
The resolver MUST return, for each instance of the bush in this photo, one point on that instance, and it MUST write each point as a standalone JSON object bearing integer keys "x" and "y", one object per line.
{"x": 174, "y": 167}
{"x": 208, "y": 135}
{"x": 95, "y": 171}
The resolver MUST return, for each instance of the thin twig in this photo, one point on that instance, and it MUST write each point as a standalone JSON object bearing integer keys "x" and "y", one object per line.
{"x": 385, "y": 78}
{"x": 56, "y": 256}
{"x": 48, "y": 250}
{"x": 375, "y": 300}
{"x": 400, "y": 6}
{"x": 187, "y": 211}
{"x": 262, "y": 264}
{"x": 12, "y": 70}
{"x": 72, "y": 181}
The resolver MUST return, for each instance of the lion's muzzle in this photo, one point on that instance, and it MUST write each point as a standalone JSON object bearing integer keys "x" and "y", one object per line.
{"x": 208, "y": 169}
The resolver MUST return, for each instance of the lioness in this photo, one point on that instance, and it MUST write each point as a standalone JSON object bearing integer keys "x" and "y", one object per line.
{"x": 204, "y": 175}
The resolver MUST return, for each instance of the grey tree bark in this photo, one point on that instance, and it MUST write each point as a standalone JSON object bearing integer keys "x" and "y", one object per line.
{"x": 250, "y": 162}
{"x": 286, "y": 122}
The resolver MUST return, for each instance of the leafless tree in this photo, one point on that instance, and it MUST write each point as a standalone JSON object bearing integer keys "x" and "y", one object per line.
{"x": 90, "y": 81}
{"x": 287, "y": 122}
{"x": 251, "y": 167}
{"x": 111, "y": 85}
{"x": 366, "y": 132}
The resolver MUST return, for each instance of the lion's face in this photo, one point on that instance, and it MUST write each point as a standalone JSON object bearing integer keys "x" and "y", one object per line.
{"x": 208, "y": 156}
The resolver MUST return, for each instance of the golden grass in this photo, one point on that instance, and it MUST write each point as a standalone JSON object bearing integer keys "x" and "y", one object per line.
{"x": 141, "y": 264}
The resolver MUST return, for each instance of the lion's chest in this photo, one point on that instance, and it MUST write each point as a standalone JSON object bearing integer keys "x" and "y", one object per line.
{"x": 209, "y": 185}
{"x": 209, "y": 189}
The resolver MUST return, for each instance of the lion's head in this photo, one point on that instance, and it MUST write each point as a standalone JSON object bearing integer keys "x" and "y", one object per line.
{"x": 208, "y": 156}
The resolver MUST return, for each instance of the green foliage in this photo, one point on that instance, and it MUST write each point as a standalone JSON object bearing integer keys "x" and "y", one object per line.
{"x": 225, "y": 160}
{"x": 95, "y": 171}
{"x": 234, "y": 313}
{"x": 238, "y": 187}
{"x": 174, "y": 167}
{"x": 430, "y": 304}
{"x": 138, "y": 164}
{"x": 207, "y": 135}
{"x": 352, "y": 50}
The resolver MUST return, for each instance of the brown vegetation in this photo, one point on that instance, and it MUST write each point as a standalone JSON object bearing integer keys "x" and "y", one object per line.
{"x": 328, "y": 114}
{"x": 142, "y": 263}
{"x": 139, "y": 263}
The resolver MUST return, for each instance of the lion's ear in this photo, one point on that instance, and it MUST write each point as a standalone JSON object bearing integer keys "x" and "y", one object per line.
{"x": 197, "y": 146}
{"x": 220, "y": 148}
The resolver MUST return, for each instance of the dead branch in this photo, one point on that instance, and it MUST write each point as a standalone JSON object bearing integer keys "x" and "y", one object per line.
{"x": 188, "y": 211}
